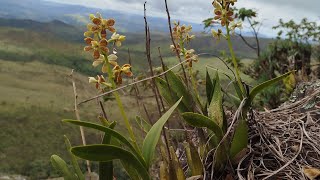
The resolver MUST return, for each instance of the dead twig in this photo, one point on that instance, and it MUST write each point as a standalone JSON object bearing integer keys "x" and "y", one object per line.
{"x": 76, "y": 111}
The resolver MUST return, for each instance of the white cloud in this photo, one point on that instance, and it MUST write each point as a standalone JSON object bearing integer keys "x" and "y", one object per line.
{"x": 196, "y": 10}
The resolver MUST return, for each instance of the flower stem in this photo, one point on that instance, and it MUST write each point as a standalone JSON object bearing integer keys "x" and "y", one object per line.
{"x": 234, "y": 61}
{"x": 120, "y": 105}
{"x": 192, "y": 79}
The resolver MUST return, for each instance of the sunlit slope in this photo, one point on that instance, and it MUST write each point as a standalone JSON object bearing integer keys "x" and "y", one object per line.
{"x": 34, "y": 98}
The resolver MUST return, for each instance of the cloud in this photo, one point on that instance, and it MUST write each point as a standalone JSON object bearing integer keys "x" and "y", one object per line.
{"x": 195, "y": 11}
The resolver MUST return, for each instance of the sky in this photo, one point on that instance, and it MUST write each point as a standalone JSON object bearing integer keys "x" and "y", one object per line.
{"x": 269, "y": 11}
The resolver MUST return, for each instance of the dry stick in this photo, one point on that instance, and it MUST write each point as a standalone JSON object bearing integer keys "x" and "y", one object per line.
{"x": 103, "y": 111}
{"x": 299, "y": 119}
{"x": 155, "y": 87}
{"x": 154, "y": 82}
{"x": 174, "y": 44}
{"x": 78, "y": 115}
{"x": 255, "y": 33}
{"x": 165, "y": 76}
{"x": 148, "y": 41}
{"x": 256, "y": 37}
{"x": 163, "y": 69}
{"x": 137, "y": 93}
{"x": 246, "y": 42}
{"x": 170, "y": 89}
{"x": 133, "y": 83}
{"x": 289, "y": 162}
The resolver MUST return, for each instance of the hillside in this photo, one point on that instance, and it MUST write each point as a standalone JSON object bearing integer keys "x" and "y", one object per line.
{"x": 35, "y": 97}
{"x": 58, "y": 43}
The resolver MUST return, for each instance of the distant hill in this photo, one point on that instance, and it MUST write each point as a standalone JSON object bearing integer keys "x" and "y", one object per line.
{"x": 54, "y": 27}
{"x": 56, "y": 42}
{"x": 44, "y": 11}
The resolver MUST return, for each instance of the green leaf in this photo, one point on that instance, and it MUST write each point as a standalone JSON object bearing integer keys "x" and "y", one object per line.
{"x": 106, "y": 168}
{"x": 61, "y": 166}
{"x": 170, "y": 96}
{"x": 106, "y": 152}
{"x": 143, "y": 124}
{"x": 74, "y": 160}
{"x": 240, "y": 138}
{"x": 199, "y": 120}
{"x": 175, "y": 169}
{"x": 179, "y": 88}
{"x": 109, "y": 131}
{"x": 193, "y": 158}
{"x": 238, "y": 90}
{"x": 266, "y": 84}
{"x": 221, "y": 157}
{"x": 131, "y": 170}
{"x": 107, "y": 137}
{"x": 236, "y": 101}
{"x": 152, "y": 138}
{"x": 209, "y": 87}
{"x": 215, "y": 110}
{"x": 163, "y": 171}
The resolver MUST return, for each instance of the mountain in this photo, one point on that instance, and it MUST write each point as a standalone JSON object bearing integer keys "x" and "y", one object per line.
{"x": 56, "y": 42}
{"x": 45, "y": 11}
{"x": 55, "y": 27}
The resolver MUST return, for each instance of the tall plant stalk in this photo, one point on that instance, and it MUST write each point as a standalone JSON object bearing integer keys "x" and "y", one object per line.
{"x": 120, "y": 105}
{"x": 234, "y": 61}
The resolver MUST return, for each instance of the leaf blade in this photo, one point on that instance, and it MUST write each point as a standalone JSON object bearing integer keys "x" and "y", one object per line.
{"x": 193, "y": 159}
{"x": 209, "y": 87}
{"x": 152, "y": 137}
{"x": 199, "y": 120}
{"x": 112, "y": 132}
{"x": 170, "y": 96}
{"x": 73, "y": 159}
{"x": 60, "y": 165}
{"x": 106, "y": 152}
{"x": 266, "y": 84}
{"x": 240, "y": 138}
{"x": 215, "y": 110}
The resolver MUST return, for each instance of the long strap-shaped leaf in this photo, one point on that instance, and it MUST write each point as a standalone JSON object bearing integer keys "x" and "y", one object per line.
{"x": 193, "y": 158}
{"x": 215, "y": 110}
{"x": 73, "y": 159}
{"x": 112, "y": 132}
{"x": 152, "y": 138}
{"x": 169, "y": 95}
{"x": 177, "y": 86}
{"x": 106, "y": 152}
{"x": 266, "y": 84}
{"x": 240, "y": 138}
{"x": 60, "y": 165}
{"x": 199, "y": 120}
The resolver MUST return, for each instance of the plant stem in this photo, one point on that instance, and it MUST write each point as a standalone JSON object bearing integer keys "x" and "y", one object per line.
{"x": 193, "y": 82}
{"x": 234, "y": 61}
{"x": 120, "y": 105}
{"x": 83, "y": 138}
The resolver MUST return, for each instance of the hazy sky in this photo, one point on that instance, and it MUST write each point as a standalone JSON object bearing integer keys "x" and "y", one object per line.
{"x": 269, "y": 11}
